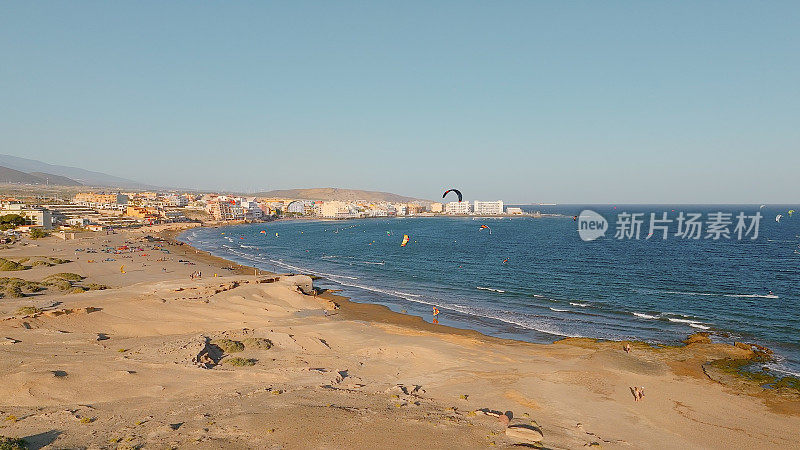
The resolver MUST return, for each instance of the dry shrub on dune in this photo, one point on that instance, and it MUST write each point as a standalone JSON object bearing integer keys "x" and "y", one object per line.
{"x": 8, "y": 265}
{"x": 8, "y": 443}
{"x": 240, "y": 362}
{"x": 258, "y": 343}
{"x": 68, "y": 276}
{"x": 228, "y": 345}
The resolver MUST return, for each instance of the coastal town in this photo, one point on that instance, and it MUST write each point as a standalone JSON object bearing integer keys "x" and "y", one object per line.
{"x": 105, "y": 210}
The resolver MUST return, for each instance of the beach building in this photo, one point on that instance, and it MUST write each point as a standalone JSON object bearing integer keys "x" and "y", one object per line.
{"x": 514, "y": 210}
{"x": 35, "y": 215}
{"x": 376, "y": 211}
{"x": 414, "y": 208}
{"x": 336, "y": 210}
{"x": 224, "y": 209}
{"x": 457, "y": 208}
{"x": 171, "y": 214}
{"x": 100, "y": 199}
{"x": 176, "y": 200}
{"x": 78, "y": 222}
{"x": 303, "y": 207}
{"x": 252, "y": 210}
{"x": 143, "y": 213}
{"x": 64, "y": 212}
{"x": 437, "y": 207}
{"x": 488, "y": 208}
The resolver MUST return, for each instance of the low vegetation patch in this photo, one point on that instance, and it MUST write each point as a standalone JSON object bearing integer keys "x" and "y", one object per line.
{"x": 27, "y": 310}
{"x": 67, "y": 282}
{"x": 8, "y": 265}
{"x": 96, "y": 287}
{"x": 228, "y": 345}
{"x": 58, "y": 260}
{"x": 9, "y": 443}
{"x": 9, "y": 221}
{"x": 258, "y": 343}
{"x": 240, "y": 362}
{"x": 38, "y": 233}
{"x": 61, "y": 285}
{"x": 21, "y": 285}
{"x": 68, "y": 276}
{"x": 12, "y": 291}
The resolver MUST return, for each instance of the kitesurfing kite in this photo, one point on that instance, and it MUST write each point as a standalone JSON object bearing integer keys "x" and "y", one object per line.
{"x": 453, "y": 190}
{"x": 485, "y": 227}
{"x": 405, "y": 240}
{"x": 778, "y": 217}
{"x": 760, "y": 207}
{"x": 263, "y": 231}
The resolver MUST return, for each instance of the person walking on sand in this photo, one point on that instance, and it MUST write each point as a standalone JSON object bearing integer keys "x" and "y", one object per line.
{"x": 435, "y": 314}
{"x": 627, "y": 347}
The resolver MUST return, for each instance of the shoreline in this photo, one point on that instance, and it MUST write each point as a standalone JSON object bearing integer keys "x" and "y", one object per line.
{"x": 159, "y": 357}
{"x": 377, "y": 313}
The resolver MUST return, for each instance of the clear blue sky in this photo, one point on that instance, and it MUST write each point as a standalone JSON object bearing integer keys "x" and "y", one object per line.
{"x": 527, "y": 101}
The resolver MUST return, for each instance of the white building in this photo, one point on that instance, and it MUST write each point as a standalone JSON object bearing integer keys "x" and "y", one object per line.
{"x": 35, "y": 215}
{"x": 488, "y": 208}
{"x": 336, "y": 210}
{"x": 514, "y": 210}
{"x": 303, "y": 207}
{"x": 78, "y": 222}
{"x": 377, "y": 212}
{"x": 457, "y": 208}
{"x": 437, "y": 207}
{"x": 252, "y": 210}
{"x": 176, "y": 200}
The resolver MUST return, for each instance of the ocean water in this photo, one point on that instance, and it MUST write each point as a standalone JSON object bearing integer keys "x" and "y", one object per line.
{"x": 534, "y": 279}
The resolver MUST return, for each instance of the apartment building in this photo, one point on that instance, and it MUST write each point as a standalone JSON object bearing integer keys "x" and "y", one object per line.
{"x": 488, "y": 208}
{"x": 457, "y": 208}
{"x": 336, "y": 210}
{"x": 225, "y": 210}
{"x": 100, "y": 199}
{"x": 35, "y": 215}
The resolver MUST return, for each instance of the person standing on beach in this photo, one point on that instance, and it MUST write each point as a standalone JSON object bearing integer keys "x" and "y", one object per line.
{"x": 435, "y": 313}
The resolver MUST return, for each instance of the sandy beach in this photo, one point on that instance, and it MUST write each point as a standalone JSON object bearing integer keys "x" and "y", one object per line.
{"x": 244, "y": 359}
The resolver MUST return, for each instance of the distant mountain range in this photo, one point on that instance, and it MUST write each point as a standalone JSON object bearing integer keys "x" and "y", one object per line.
{"x": 8, "y": 175}
{"x": 328, "y": 194}
{"x": 14, "y": 169}
{"x": 60, "y": 175}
